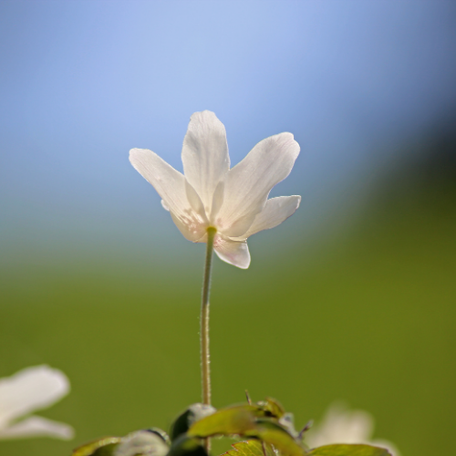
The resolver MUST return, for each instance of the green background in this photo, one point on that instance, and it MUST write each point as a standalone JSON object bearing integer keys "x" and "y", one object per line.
{"x": 363, "y": 312}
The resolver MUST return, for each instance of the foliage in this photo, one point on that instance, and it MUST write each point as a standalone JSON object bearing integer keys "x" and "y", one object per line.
{"x": 267, "y": 429}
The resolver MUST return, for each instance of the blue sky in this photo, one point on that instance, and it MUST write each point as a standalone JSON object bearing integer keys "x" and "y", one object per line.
{"x": 82, "y": 82}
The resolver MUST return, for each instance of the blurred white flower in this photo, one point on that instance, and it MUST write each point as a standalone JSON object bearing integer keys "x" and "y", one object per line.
{"x": 210, "y": 194}
{"x": 341, "y": 425}
{"x": 31, "y": 389}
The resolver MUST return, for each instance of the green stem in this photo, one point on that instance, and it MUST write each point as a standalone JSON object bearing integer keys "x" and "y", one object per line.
{"x": 204, "y": 321}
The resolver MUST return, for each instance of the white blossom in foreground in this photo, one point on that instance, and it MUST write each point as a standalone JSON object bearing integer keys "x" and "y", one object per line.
{"x": 31, "y": 389}
{"x": 210, "y": 194}
{"x": 341, "y": 425}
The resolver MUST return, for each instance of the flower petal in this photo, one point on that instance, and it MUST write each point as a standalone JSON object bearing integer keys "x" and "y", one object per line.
{"x": 30, "y": 389}
{"x": 178, "y": 196}
{"x": 36, "y": 426}
{"x": 341, "y": 425}
{"x": 276, "y": 211}
{"x": 205, "y": 155}
{"x": 233, "y": 252}
{"x": 248, "y": 184}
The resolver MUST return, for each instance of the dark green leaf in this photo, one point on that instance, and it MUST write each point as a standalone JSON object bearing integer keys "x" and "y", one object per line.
{"x": 194, "y": 413}
{"x": 187, "y": 446}
{"x": 348, "y": 450}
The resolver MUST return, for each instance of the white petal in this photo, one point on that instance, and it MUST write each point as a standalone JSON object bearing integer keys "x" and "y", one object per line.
{"x": 233, "y": 252}
{"x": 177, "y": 194}
{"x": 186, "y": 229}
{"x": 205, "y": 155}
{"x": 36, "y": 426}
{"x": 30, "y": 389}
{"x": 165, "y": 207}
{"x": 217, "y": 200}
{"x": 276, "y": 211}
{"x": 341, "y": 426}
{"x": 248, "y": 184}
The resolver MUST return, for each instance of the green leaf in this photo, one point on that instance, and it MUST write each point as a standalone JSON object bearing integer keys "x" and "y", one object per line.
{"x": 233, "y": 420}
{"x": 100, "y": 447}
{"x": 275, "y": 434}
{"x": 194, "y": 413}
{"x": 271, "y": 407}
{"x": 250, "y": 448}
{"x": 348, "y": 450}
{"x": 187, "y": 446}
{"x": 249, "y": 421}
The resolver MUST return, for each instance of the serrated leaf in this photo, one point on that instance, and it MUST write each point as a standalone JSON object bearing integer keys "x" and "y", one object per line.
{"x": 250, "y": 448}
{"x": 100, "y": 447}
{"x": 233, "y": 420}
{"x": 348, "y": 450}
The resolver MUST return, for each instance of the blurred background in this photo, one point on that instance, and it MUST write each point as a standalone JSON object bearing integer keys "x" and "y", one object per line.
{"x": 352, "y": 298}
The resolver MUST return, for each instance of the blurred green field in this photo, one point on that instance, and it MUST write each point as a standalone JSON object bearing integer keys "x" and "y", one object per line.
{"x": 366, "y": 315}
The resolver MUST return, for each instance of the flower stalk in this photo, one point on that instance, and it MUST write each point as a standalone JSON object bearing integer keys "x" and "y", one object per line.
{"x": 204, "y": 321}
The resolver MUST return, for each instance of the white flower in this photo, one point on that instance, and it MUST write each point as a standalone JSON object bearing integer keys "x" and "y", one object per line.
{"x": 341, "y": 425}
{"x": 31, "y": 389}
{"x": 210, "y": 194}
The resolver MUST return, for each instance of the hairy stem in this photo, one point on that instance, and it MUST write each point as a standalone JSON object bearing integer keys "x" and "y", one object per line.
{"x": 204, "y": 322}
